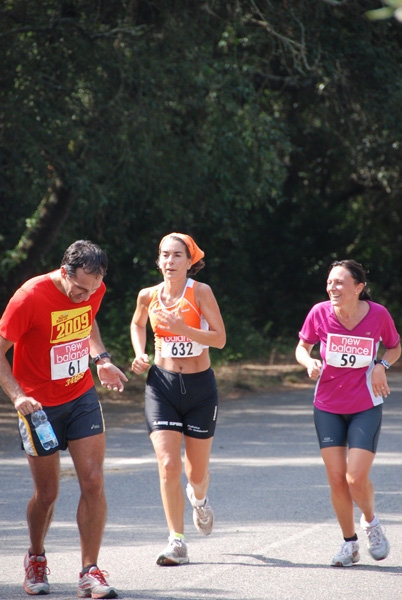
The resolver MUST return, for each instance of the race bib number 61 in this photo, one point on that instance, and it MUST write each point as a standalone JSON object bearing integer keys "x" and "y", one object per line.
{"x": 70, "y": 359}
{"x": 344, "y": 351}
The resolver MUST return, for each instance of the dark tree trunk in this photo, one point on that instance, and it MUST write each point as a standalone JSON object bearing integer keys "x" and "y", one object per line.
{"x": 46, "y": 223}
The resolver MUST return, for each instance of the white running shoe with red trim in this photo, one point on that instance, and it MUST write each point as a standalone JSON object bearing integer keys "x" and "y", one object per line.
{"x": 94, "y": 585}
{"x": 377, "y": 542}
{"x": 347, "y": 556}
{"x": 203, "y": 516}
{"x": 36, "y": 572}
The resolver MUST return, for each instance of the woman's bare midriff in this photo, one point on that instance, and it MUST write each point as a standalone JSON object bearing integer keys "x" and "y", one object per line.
{"x": 195, "y": 364}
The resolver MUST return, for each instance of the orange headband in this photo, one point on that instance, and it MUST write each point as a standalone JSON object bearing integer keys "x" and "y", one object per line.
{"x": 195, "y": 252}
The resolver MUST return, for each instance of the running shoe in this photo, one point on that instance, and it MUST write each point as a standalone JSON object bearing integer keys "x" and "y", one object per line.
{"x": 347, "y": 556}
{"x": 377, "y": 543}
{"x": 36, "y": 572}
{"x": 203, "y": 516}
{"x": 175, "y": 553}
{"x": 94, "y": 585}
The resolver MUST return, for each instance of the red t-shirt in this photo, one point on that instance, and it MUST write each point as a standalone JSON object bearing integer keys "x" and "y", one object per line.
{"x": 51, "y": 340}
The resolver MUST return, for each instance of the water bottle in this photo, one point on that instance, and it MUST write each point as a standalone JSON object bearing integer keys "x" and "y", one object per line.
{"x": 44, "y": 430}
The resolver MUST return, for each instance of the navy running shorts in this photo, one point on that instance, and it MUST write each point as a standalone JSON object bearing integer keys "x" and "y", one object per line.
{"x": 183, "y": 402}
{"x": 74, "y": 420}
{"x": 357, "y": 430}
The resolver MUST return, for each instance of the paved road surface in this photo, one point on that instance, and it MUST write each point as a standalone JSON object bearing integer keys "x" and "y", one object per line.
{"x": 275, "y": 532}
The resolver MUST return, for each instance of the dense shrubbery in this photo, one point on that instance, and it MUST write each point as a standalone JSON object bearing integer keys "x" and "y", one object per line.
{"x": 268, "y": 130}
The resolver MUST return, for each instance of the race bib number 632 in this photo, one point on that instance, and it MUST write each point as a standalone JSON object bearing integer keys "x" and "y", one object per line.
{"x": 344, "y": 351}
{"x": 180, "y": 347}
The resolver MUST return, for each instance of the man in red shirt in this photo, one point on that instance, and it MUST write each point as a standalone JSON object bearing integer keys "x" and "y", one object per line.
{"x": 50, "y": 320}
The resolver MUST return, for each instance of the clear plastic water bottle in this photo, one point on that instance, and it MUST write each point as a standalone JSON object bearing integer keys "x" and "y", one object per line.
{"x": 46, "y": 435}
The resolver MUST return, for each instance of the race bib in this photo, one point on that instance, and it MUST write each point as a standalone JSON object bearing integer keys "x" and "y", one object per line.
{"x": 179, "y": 346}
{"x": 70, "y": 359}
{"x": 68, "y": 325}
{"x": 344, "y": 351}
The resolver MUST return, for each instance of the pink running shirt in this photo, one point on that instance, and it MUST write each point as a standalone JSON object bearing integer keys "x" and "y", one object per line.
{"x": 348, "y": 356}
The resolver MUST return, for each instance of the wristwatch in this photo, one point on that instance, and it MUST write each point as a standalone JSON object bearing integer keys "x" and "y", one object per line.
{"x": 99, "y": 356}
{"x": 384, "y": 363}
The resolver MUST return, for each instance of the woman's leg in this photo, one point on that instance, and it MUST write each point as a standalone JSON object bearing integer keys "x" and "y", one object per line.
{"x": 335, "y": 460}
{"x": 197, "y": 471}
{"x": 167, "y": 446}
{"x": 358, "y": 478}
{"x": 363, "y": 433}
{"x": 197, "y": 464}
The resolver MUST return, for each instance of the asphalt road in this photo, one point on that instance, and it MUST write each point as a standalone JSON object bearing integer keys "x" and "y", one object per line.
{"x": 275, "y": 531}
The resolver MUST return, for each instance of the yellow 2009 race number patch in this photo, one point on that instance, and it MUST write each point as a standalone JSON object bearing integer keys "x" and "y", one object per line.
{"x": 69, "y": 357}
{"x": 344, "y": 351}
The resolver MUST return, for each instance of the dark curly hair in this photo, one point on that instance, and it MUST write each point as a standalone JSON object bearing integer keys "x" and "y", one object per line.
{"x": 85, "y": 255}
{"x": 358, "y": 273}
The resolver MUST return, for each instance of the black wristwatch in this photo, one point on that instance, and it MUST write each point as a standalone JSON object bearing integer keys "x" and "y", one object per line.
{"x": 99, "y": 356}
{"x": 384, "y": 363}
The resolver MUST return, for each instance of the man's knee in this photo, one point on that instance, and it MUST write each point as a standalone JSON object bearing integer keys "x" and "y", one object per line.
{"x": 46, "y": 496}
{"x": 93, "y": 483}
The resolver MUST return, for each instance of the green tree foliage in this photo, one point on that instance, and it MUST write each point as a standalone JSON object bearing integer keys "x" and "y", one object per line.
{"x": 269, "y": 130}
{"x": 392, "y": 8}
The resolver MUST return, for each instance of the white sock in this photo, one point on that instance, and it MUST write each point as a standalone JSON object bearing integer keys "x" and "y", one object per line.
{"x": 373, "y": 523}
{"x": 199, "y": 502}
{"x": 194, "y": 500}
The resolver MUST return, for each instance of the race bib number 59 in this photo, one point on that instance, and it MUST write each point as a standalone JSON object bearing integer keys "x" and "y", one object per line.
{"x": 344, "y": 351}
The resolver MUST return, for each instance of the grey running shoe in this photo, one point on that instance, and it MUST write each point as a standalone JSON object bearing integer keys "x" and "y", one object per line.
{"x": 94, "y": 585}
{"x": 377, "y": 543}
{"x": 175, "y": 553}
{"x": 203, "y": 516}
{"x": 36, "y": 572}
{"x": 347, "y": 556}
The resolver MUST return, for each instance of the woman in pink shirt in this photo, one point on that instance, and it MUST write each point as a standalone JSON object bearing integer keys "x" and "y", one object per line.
{"x": 350, "y": 390}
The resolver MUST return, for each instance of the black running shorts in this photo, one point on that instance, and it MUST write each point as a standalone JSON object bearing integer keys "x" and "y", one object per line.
{"x": 187, "y": 403}
{"x": 357, "y": 430}
{"x": 74, "y": 420}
